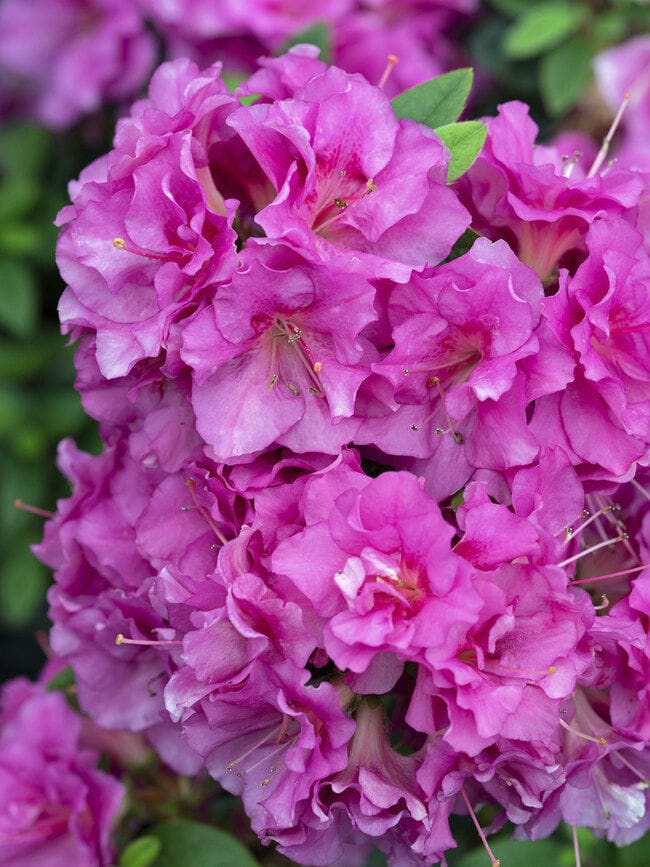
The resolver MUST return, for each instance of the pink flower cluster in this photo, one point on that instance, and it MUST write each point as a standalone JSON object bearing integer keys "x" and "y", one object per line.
{"x": 62, "y": 59}
{"x": 368, "y": 535}
{"x": 55, "y": 807}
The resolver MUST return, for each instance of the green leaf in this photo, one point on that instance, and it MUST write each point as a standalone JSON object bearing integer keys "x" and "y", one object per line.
{"x": 510, "y": 7}
{"x": 185, "y": 843}
{"x": 564, "y": 74}
{"x": 18, "y": 298}
{"x": 463, "y": 245}
{"x": 515, "y": 853}
{"x": 141, "y": 853}
{"x": 319, "y": 35}
{"x": 543, "y": 27}
{"x": 61, "y": 681}
{"x": 232, "y": 81}
{"x": 437, "y": 102}
{"x": 465, "y": 141}
{"x": 64, "y": 682}
{"x": 458, "y": 499}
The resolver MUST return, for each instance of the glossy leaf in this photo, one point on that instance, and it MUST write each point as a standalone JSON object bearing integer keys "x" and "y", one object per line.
{"x": 437, "y": 102}
{"x": 465, "y": 141}
{"x": 186, "y": 843}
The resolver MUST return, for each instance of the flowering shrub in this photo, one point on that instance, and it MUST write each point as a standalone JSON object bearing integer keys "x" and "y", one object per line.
{"x": 366, "y": 541}
{"x": 356, "y": 489}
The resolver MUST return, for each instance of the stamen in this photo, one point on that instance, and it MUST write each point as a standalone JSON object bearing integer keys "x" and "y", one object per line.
{"x": 574, "y": 532}
{"x": 622, "y": 538}
{"x": 604, "y": 603}
{"x": 435, "y": 380}
{"x": 33, "y": 510}
{"x": 120, "y": 639}
{"x": 602, "y": 153}
{"x": 569, "y": 530}
{"x": 579, "y": 734}
{"x": 278, "y": 738}
{"x": 191, "y": 485}
{"x": 552, "y": 669}
{"x": 611, "y": 575}
{"x": 293, "y": 336}
{"x": 576, "y": 847}
{"x": 495, "y": 861}
{"x": 392, "y": 60}
{"x": 120, "y": 244}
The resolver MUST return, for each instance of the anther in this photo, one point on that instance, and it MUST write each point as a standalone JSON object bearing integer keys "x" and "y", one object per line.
{"x": 120, "y": 244}
{"x": 392, "y": 59}
{"x": 415, "y": 427}
{"x": 570, "y": 164}
{"x": 406, "y": 371}
{"x": 604, "y": 603}
{"x": 318, "y": 366}
{"x": 341, "y": 203}
{"x": 604, "y": 511}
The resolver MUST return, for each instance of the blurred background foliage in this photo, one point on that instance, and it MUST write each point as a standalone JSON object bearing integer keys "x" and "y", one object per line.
{"x": 540, "y": 52}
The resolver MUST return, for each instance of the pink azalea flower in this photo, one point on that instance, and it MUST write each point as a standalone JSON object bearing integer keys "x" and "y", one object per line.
{"x": 378, "y": 189}
{"x": 274, "y": 359}
{"x": 130, "y": 276}
{"x": 55, "y": 807}
{"x": 539, "y": 202}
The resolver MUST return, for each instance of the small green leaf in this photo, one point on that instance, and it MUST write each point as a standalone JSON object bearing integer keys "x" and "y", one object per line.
{"x": 437, "y": 102}
{"x": 64, "y": 682}
{"x": 141, "y": 853}
{"x": 318, "y": 34}
{"x": 61, "y": 681}
{"x": 463, "y": 245}
{"x": 185, "y": 843}
{"x": 465, "y": 141}
{"x": 564, "y": 74}
{"x": 232, "y": 81}
{"x": 543, "y": 27}
{"x": 458, "y": 499}
{"x": 18, "y": 298}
